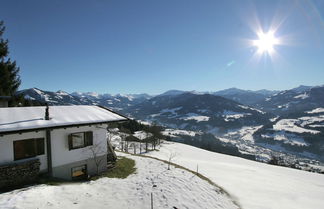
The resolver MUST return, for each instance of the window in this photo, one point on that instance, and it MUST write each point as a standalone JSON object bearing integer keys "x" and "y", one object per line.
{"x": 79, "y": 173}
{"x": 81, "y": 139}
{"x": 77, "y": 140}
{"x": 28, "y": 148}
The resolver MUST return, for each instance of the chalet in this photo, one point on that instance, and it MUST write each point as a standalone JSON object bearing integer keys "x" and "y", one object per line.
{"x": 67, "y": 142}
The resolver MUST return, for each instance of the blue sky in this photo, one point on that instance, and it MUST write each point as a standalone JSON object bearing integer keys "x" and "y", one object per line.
{"x": 127, "y": 46}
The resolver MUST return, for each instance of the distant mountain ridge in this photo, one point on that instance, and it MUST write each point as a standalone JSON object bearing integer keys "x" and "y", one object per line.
{"x": 276, "y": 102}
{"x": 60, "y": 97}
{"x": 199, "y": 112}
{"x": 302, "y": 98}
{"x": 249, "y": 119}
{"x": 187, "y": 110}
{"x": 246, "y": 97}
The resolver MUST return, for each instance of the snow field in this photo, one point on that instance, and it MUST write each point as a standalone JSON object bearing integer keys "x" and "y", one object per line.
{"x": 194, "y": 116}
{"x": 289, "y": 125}
{"x": 170, "y": 188}
{"x": 317, "y": 110}
{"x": 254, "y": 185}
{"x": 287, "y": 138}
{"x": 245, "y": 133}
{"x": 177, "y": 132}
{"x": 230, "y": 115}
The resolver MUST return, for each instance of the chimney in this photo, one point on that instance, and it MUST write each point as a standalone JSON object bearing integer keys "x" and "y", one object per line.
{"x": 47, "y": 112}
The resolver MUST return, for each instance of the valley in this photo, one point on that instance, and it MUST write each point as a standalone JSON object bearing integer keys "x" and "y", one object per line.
{"x": 287, "y": 125}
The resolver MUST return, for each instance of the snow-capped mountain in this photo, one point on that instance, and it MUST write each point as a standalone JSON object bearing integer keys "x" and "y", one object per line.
{"x": 246, "y": 97}
{"x": 118, "y": 102}
{"x": 299, "y": 99}
{"x": 204, "y": 112}
{"x": 53, "y": 98}
{"x": 89, "y": 95}
{"x": 254, "y": 128}
{"x": 302, "y": 88}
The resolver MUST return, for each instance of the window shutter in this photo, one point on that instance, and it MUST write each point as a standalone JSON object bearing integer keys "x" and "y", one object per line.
{"x": 88, "y": 138}
{"x": 40, "y": 146}
{"x": 70, "y": 141}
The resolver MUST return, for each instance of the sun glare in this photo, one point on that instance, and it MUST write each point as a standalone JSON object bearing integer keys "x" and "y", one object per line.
{"x": 265, "y": 42}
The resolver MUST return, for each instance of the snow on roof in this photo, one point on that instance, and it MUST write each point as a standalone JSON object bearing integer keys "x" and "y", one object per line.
{"x": 24, "y": 118}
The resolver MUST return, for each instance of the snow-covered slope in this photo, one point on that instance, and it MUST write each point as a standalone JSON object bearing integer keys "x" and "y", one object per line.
{"x": 294, "y": 100}
{"x": 255, "y": 185}
{"x": 198, "y": 112}
{"x": 175, "y": 188}
{"x": 301, "y": 133}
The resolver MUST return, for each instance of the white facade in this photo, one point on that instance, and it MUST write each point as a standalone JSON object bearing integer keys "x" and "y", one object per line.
{"x": 77, "y": 136}
{"x": 62, "y": 157}
{"x": 7, "y": 148}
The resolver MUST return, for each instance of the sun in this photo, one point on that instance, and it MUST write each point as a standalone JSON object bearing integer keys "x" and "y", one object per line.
{"x": 266, "y": 42}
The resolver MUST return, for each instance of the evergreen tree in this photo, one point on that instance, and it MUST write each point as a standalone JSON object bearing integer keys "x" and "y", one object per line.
{"x": 9, "y": 72}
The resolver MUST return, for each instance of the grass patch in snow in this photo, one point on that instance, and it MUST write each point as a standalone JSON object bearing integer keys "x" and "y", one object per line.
{"x": 51, "y": 181}
{"x": 123, "y": 168}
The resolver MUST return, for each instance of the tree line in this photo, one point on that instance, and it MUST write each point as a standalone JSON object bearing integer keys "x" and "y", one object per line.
{"x": 152, "y": 139}
{"x": 9, "y": 75}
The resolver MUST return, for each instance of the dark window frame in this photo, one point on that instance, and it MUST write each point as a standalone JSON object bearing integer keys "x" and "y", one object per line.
{"x": 37, "y": 144}
{"x": 87, "y": 140}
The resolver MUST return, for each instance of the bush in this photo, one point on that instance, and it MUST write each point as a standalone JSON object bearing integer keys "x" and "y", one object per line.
{"x": 274, "y": 160}
{"x": 123, "y": 168}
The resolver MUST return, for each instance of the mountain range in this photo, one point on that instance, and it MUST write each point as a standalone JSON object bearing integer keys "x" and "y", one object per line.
{"x": 277, "y": 120}
{"x": 197, "y": 112}
{"x": 117, "y": 102}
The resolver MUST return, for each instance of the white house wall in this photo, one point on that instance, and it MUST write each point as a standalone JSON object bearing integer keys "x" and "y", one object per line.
{"x": 7, "y": 148}
{"x": 61, "y": 155}
{"x": 63, "y": 159}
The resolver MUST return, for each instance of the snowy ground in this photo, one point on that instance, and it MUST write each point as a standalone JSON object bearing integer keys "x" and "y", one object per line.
{"x": 290, "y": 125}
{"x": 254, "y": 185}
{"x": 245, "y": 133}
{"x": 173, "y": 188}
{"x": 287, "y": 138}
{"x": 178, "y": 132}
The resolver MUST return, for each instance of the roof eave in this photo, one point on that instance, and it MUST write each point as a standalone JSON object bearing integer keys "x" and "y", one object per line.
{"x": 110, "y": 110}
{"x": 59, "y": 127}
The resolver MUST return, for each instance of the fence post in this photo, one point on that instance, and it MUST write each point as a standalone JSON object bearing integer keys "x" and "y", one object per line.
{"x": 197, "y": 170}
